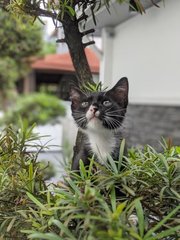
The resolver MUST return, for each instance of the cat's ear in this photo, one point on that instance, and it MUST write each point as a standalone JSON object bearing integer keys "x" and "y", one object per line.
{"x": 75, "y": 97}
{"x": 120, "y": 92}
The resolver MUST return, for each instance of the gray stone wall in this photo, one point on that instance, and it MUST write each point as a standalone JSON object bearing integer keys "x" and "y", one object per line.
{"x": 146, "y": 124}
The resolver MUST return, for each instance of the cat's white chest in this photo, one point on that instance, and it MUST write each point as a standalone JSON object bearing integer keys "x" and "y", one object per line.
{"x": 101, "y": 140}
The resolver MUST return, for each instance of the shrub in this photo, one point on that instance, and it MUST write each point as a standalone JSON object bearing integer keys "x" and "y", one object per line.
{"x": 19, "y": 173}
{"x": 37, "y": 108}
{"x": 139, "y": 201}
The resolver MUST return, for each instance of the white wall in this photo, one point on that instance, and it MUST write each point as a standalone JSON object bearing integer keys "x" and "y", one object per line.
{"x": 106, "y": 66}
{"x": 146, "y": 49}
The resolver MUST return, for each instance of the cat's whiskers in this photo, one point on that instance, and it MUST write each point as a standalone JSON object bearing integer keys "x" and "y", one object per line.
{"x": 80, "y": 119}
{"x": 110, "y": 108}
{"x": 117, "y": 110}
{"x": 114, "y": 115}
{"x": 109, "y": 123}
{"x": 113, "y": 122}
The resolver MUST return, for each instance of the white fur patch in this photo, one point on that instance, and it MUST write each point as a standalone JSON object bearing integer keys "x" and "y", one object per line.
{"x": 101, "y": 140}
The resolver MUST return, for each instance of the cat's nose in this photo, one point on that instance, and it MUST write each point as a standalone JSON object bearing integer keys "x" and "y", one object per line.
{"x": 93, "y": 109}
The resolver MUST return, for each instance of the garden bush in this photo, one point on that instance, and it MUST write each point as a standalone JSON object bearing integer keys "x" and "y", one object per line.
{"x": 136, "y": 197}
{"x": 39, "y": 108}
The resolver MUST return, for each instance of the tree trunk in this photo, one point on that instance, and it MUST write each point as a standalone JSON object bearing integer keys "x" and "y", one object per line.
{"x": 73, "y": 38}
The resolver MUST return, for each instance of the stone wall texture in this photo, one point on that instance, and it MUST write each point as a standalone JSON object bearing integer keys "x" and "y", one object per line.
{"x": 146, "y": 124}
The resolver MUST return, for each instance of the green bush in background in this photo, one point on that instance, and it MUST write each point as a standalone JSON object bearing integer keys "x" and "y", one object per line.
{"x": 139, "y": 201}
{"x": 20, "y": 40}
{"x": 39, "y": 108}
{"x": 7, "y": 81}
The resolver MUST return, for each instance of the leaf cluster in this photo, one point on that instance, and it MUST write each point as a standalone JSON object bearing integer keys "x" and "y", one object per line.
{"x": 75, "y": 9}
{"x": 135, "y": 197}
{"x": 19, "y": 172}
{"x": 19, "y": 37}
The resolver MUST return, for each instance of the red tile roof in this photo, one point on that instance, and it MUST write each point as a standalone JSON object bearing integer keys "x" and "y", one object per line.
{"x": 63, "y": 62}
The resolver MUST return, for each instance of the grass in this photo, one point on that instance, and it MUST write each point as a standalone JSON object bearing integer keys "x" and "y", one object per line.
{"x": 135, "y": 197}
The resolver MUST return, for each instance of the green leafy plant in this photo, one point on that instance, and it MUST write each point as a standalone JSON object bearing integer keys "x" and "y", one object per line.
{"x": 84, "y": 209}
{"x": 19, "y": 172}
{"x": 37, "y": 108}
{"x": 89, "y": 87}
{"x": 135, "y": 197}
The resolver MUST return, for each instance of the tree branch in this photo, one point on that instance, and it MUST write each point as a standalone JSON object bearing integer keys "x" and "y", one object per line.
{"x": 83, "y": 17}
{"x": 87, "y": 32}
{"x": 63, "y": 40}
{"x": 88, "y": 43}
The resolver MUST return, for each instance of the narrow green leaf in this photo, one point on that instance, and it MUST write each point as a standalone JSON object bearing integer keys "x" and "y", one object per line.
{"x": 44, "y": 236}
{"x": 164, "y": 161}
{"x": 157, "y": 226}
{"x": 73, "y": 186}
{"x": 161, "y": 194}
{"x": 113, "y": 164}
{"x": 36, "y": 201}
{"x": 23, "y": 213}
{"x": 90, "y": 167}
{"x": 64, "y": 229}
{"x": 11, "y": 224}
{"x": 113, "y": 199}
{"x": 121, "y": 154}
{"x": 82, "y": 170}
{"x": 119, "y": 210}
{"x": 140, "y": 215}
{"x": 175, "y": 193}
{"x": 135, "y": 235}
{"x": 165, "y": 233}
{"x": 129, "y": 190}
{"x": 71, "y": 10}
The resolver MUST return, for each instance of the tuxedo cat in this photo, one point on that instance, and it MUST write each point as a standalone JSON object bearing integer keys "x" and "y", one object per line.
{"x": 99, "y": 115}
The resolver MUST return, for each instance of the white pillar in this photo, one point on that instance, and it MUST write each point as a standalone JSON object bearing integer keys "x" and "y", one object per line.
{"x": 106, "y": 61}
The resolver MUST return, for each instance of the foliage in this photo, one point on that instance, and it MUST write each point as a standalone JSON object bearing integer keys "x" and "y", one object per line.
{"x": 12, "y": 73}
{"x": 7, "y": 78}
{"x": 19, "y": 173}
{"x": 39, "y": 108}
{"x": 57, "y": 10}
{"x": 19, "y": 40}
{"x": 136, "y": 197}
{"x": 19, "y": 37}
{"x": 88, "y": 87}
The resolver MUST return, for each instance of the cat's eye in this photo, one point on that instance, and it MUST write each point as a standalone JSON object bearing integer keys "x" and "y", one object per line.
{"x": 107, "y": 103}
{"x": 84, "y": 104}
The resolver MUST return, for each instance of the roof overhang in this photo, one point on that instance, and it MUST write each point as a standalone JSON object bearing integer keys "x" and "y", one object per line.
{"x": 117, "y": 14}
{"x": 63, "y": 63}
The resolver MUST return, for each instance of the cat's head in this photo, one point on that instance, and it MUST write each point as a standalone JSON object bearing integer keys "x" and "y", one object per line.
{"x": 107, "y": 108}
